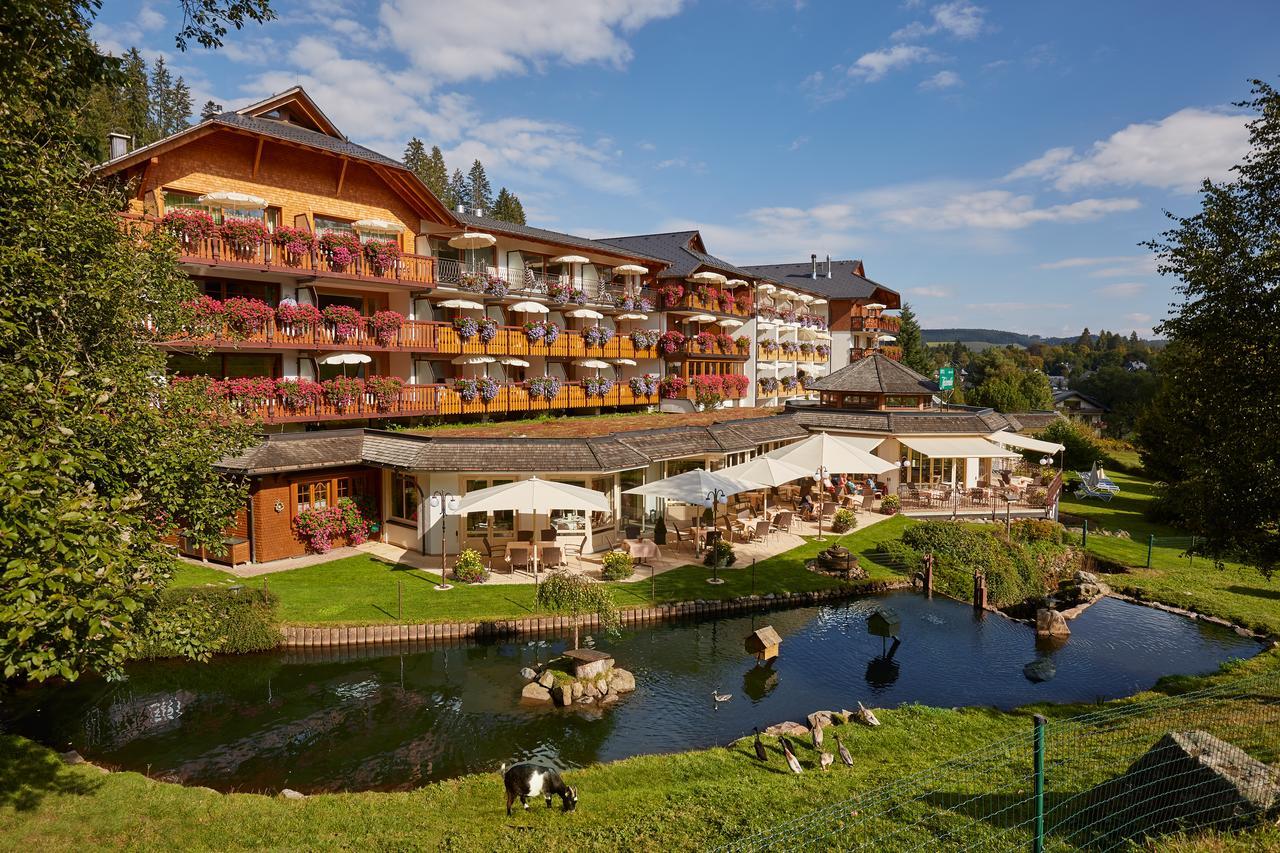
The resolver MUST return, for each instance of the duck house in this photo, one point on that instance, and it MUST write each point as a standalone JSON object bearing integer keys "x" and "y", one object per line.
{"x": 884, "y": 622}
{"x": 764, "y": 643}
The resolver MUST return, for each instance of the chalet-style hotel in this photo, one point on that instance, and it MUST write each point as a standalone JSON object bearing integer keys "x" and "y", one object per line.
{"x": 353, "y": 314}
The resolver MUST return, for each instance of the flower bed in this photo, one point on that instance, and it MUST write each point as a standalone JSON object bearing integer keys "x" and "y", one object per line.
{"x": 350, "y": 519}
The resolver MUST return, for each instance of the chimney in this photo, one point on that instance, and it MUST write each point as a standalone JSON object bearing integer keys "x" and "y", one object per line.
{"x": 813, "y": 260}
{"x": 479, "y": 211}
{"x": 118, "y": 144}
{"x": 462, "y": 208}
{"x": 828, "y": 266}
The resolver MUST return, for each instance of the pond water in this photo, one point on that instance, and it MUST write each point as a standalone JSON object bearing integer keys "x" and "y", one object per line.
{"x": 378, "y": 719}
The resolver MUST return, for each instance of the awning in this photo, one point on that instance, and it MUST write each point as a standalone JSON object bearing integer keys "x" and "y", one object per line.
{"x": 958, "y": 448}
{"x": 1012, "y": 439}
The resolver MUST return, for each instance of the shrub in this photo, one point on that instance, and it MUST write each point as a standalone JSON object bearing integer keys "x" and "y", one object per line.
{"x": 201, "y": 621}
{"x": 349, "y": 518}
{"x": 843, "y": 521}
{"x": 616, "y": 566}
{"x": 721, "y": 554}
{"x": 1039, "y": 530}
{"x": 890, "y": 505}
{"x": 1082, "y": 449}
{"x": 469, "y": 568}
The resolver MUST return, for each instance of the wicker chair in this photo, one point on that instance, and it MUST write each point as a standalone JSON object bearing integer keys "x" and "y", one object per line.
{"x": 519, "y": 558}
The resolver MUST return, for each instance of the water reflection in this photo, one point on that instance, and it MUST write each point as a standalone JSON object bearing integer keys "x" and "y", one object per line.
{"x": 397, "y": 717}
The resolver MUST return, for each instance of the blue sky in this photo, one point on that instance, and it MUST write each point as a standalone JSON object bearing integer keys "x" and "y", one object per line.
{"x": 998, "y": 163}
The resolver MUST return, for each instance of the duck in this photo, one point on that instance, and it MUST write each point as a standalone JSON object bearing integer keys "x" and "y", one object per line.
{"x": 844, "y": 751}
{"x": 826, "y": 759}
{"x": 817, "y": 735}
{"x": 864, "y": 714}
{"x": 792, "y": 761}
{"x": 761, "y": 755}
{"x": 719, "y": 697}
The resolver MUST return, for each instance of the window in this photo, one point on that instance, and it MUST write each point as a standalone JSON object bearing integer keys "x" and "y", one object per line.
{"x": 901, "y": 402}
{"x": 224, "y": 365}
{"x": 477, "y": 522}
{"x": 632, "y": 505}
{"x": 928, "y": 470}
{"x": 569, "y": 520}
{"x": 603, "y": 520}
{"x": 328, "y": 223}
{"x": 500, "y": 523}
{"x": 404, "y": 497}
{"x": 177, "y": 199}
{"x": 313, "y": 495}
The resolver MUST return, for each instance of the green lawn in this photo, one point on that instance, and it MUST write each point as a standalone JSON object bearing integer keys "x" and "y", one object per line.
{"x": 1234, "y": 592}
{"x": 363, "y": 590}
{"x": 685, "y": 801}
{"x": 193, "y": 574}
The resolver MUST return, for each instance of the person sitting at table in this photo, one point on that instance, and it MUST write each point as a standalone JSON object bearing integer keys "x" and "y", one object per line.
{"x": 805, "y": 506}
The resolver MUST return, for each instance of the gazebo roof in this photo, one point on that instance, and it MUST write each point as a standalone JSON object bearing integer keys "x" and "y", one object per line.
{"x": 875, "y": 374}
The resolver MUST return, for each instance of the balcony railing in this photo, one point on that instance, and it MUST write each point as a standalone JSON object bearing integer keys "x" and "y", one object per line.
{"x": 893, "y": 352}
{"x": 804, "y": 357}
{"x": 482, "y": 279}
{"x": 875, "y": 323}
{"x": 935, "y": 499}
{"x": 692, "y": 349}
{"x": 267, "y": 257}
{"x": 421, "y": 400}
{"x": 729, "y": 307}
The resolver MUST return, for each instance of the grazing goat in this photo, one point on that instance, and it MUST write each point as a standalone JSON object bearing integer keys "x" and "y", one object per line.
{"x": 531, "y": 780}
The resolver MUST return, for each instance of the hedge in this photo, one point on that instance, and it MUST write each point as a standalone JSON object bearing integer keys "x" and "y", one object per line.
{"x": 200, "y": 621}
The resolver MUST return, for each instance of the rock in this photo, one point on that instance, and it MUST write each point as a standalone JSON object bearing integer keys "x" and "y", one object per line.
{"x": 621, "y": 681}
{"x": 609, "y": 698}
{"x": 1049, "y": 623}
{"x": 290, "y": 794}
{"x": 1041, "y": 669}
{"x": 576, "y": 688}
{"x": 528, "y": 674}
{"x": 1089, "y": 591}
{"x": 789, "y": 727}
{"x": 586, "y": 700}
{"x": 820, "y": 718}
{"x": 1185, "y": 780}
{"x": 563, "y": 693}
{"x": 535, "y": 692}
{"x": 1082, "y": 578}
{"x": 72, "y": 757}
{"x": 547, "y": 679}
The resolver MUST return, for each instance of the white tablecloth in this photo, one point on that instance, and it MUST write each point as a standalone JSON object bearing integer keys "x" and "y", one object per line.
{"x": 642, "y": 549}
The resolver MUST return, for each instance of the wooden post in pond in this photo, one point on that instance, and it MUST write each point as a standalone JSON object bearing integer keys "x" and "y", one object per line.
{"x": 979, "y": 590}
{"x": 928, "y": 574}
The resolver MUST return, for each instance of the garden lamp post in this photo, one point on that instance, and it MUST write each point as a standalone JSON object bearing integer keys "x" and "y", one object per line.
{"x": 447, "y": 502}
{"x": 819, "y": 476}
{"x": 713, "y": 497}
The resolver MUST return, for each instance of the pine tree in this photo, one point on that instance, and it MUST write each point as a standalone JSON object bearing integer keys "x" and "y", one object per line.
{"x": 1085, "y": 341}
{"x": 914, "y": 353}
{"x": 481, "y": 194}
{"x": 415, "y": 157}
{"x": 435, "y": 175}
{"x": 209, "y": 110}
{"x": 459, "y": 191}
{"x": 180, "y": 106}
{"x": 135, "y": 98}
{"x": 507, "y": 207}
{"x": 517, "y": 210}
{"x": 157, "y": 101}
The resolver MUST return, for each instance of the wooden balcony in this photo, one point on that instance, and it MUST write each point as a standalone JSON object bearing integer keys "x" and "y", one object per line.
{"x": 414, "y": 336}
{"x": 893, "y": 352}
{"x": 527, "y": 283}
{"x": 431, "y": 400}
{"x": 692, "y": 349}
{"x": 799, "y": 357}
{"x": 410, "y": 269}
{"x": 862, "y": 320}
{"x": 713, "y": 305}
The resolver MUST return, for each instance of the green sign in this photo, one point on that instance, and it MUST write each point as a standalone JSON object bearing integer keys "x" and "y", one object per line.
{"x": 946, "y": 378}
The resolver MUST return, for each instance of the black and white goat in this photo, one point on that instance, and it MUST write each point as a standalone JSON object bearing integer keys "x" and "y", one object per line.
{"x": 531, "y": 780}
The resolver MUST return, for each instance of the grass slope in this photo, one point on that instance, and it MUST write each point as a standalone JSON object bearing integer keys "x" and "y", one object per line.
{"x": 691, "y": 800}
{"x": 1234, "y": 592}
{"x": 362, "y": 590}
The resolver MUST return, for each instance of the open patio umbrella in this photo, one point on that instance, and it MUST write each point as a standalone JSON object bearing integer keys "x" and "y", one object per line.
{"x": 231, "y": 198}
{"x": 767, "y": 471}
{"x": 384, "y": 225}
{"x": 531, "y": 308}
{"x": 766, "y": 287}
{"x": 512, "y": 361}
{"x": 633, "y": 315}
{"x": 701, "y": 318}
{"x": 535, "y": 497}
{"x": 463, "y": 304}
{"x": 345, "y": 358}
{"x": 585, "y": 314}
{"x": 818, "y": 302}
{"x": 694, "y": 487}
{"x": 834, "y": 453}
{"x": 729, "y": 323}
{"x": 472, "y": 240}
{"x": 630, "y": 269}
{"x": 707, "y": 275}
{"x": 572, "y": 261}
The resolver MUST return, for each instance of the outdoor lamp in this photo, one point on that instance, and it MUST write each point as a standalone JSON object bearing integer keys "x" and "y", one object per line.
{"x": 449, "y": 501}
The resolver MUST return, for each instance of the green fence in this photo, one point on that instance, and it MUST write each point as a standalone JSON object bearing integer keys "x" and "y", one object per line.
{"x": 1098, "y": 781}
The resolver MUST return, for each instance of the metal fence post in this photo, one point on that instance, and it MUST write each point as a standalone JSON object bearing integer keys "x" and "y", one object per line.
{"x": 1084, "y": 535}
{"x": 1038, "y": 842}
{"x": 1151, "y": 543}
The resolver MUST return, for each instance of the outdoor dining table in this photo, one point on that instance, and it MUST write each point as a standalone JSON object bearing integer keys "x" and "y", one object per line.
{"x": 642, "y": 550}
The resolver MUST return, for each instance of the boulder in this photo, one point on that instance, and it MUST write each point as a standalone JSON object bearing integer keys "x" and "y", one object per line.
{"x": 563, "y": 693}
{"x": 290, "y": 794}
{"x": 789, "y": 727}
{"x": 621, "y": 681}
{"x": 823, "y": 718}
{"x": 71, "y": 757}
{"x": 547, "y": 679}
{"x": 587, "y": 700}
{"x": 1050, "y": 623}
{"x": 1082, "y": 578}
{"x": 535, "y": 692}
{"x": 528, "y": 674}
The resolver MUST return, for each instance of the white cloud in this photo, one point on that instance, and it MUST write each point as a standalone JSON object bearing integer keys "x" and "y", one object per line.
{"x": 959, "y": 19}
{"x": 1176, "y": 153}
{"x": 941, "y": 80}
{"x": 646, "y": 146}
{"x": 495, "y": 37}
{"x": 934, "y": 292}
{"x": 999, "y": 210}
{"x": 871, "y": 67}
{"x": 1121, "y": 289}
{"x": 149, "y": 18}
{"x": 681, "y": 163}
{"x": 1108, "y": 266}
{"x": 797, "y": 143}
{"x": 778, "y": 234}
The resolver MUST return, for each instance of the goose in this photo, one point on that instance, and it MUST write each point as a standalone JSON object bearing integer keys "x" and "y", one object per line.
{"x": 826, "y": 760}
{"x": 817, "y": 735}
{"x": 792, "y": 761}
{"x": 761, "y": 755}
{"x": 719, "y": 697}
{"x": 844, "y": 751}
{"x": 864, "y": 714}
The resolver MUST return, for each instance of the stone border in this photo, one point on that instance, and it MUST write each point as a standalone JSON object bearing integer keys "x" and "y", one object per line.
{"x": 450, "y": 633}
{"x": 1251, "y": 634}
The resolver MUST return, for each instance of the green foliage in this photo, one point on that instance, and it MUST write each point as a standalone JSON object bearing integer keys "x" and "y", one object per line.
{"x": 660, "y": 530}
{"x": 1007, "y": 381}
{"x": 469, "y": 567}
{"x": 1126, "y": 392}
{"x": 1082, "y": 449}
{"x": 843, "y": 521}
{"x": 1039, "y": 530}
{"x": 206, "y": 21}
{"x": 721, "y": 554}
{"x": 458, "y": 191}
{"x": 1210, "y": 436}
{"x": 198, "y": 622}
{"x": 890, "y": 504}
{"x": 479, "y": 193}
{"x": 562, "y": 592}
{"x": 914, "y": 353}
{"x": 98, "y": 460}
{"x": 616, "y": 566}
{"x": 508, "y": 208}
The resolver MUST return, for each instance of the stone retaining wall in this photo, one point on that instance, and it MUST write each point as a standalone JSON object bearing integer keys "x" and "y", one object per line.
{"x": 453, "y": 633}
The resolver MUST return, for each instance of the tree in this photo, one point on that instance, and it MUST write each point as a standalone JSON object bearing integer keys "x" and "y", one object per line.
{"x": 480, "y": 194}
{"x": 562, "y": 592}
{"x": 206, "y": 21}
{"x": 1005, "y": 380}
{"x": 914, "y": 353}
{"x": 435, "y": 175}
{"x": 98, "y": 460}
{"x": 1218, "y": 398}
{"x": 459, "y": 191}
{"x": 415, "y": 156}
{"x": 508, "y": 208}
{"x": 169, "y": 103}
{"x": 209, "y": 110}
{"x": 1081, "y": 449}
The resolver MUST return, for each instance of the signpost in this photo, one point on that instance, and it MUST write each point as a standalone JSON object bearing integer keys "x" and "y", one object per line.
{"x": 946, "y": 378}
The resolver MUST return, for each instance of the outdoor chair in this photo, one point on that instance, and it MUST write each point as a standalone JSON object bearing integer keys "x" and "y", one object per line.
{"x": 1085, "y": 489}
{"x": 519, "y": 559}
{"x": 828, "y": 509}
{"x": 552, "y": 558}
{"x": 683, "y": 537}
{"x": 575, "y": 549}
{"x": 762, "y": 530}
{"x": 488, "y": 552}
{"x": 782, "y": 522}
{"x": 632, "y": 531}
{"x": 548, "y": 535}
{"x": 524, "y": 536}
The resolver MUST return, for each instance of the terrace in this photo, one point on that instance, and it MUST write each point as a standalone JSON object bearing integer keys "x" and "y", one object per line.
{"x": 535, "y": 285}
{"x": 1024, "y": 496}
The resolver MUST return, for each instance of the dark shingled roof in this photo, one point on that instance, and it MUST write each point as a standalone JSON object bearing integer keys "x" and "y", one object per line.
{"x": 845, "y": 282}
{"x": 488, "y": 223}
{"x": 1032, "y": 421}
{"x": 304, "y": 136}
{"x": 677, "y": 248}
{"x": 1059, "y": 396}
{"x": 903, "y": 423}
{"x": 299, "y": 451}
{"x": 875, "y": 374}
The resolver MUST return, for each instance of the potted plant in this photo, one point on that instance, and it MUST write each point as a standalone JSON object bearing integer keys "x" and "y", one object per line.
{"x": 672, "y": 294}
{"x": 243, "y": 236}
{"x": 294, "y": 244}
{"x": 670, "y": 343}
{"x": 469, "y": 567}
{"x": 616, "y": 566}
{"x": 671, "y": 387}
{"x": 843, "y": 521}
{"x": 345, "y": 321}
{"x": 721, "y": 555}
{"x": 246, "y": 317}
{"x": 189, "y": 225}
{"x": 295, "y": 318}
{"x": 487, "y": 387}
{"x": 343, "y": 392}
{"x": 383, "y": 255}
{"x": 660, "y": 531}
{"x": 386, "y": 326}
{"x": 488, "y": 330}
{"x": 385, "y": 391}
{"x": 890, "y": 504}
{"x": 467, "y": 389}
{"x": 202, "y": 317}
{"x": 340, "y": 248}
{"x": 298, "y": 395}
{"x": 466, "y": 327}
{"x": 706, "y": 341}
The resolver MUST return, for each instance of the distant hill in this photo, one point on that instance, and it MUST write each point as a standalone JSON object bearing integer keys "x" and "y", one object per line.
{"x": 980, "y": 339}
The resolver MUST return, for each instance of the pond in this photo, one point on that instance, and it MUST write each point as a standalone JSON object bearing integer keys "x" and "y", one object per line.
{"x": 376, "y": 719}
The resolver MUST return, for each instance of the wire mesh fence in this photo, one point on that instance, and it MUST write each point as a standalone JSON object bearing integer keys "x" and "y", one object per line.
{"x": 1099, "y": 781}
